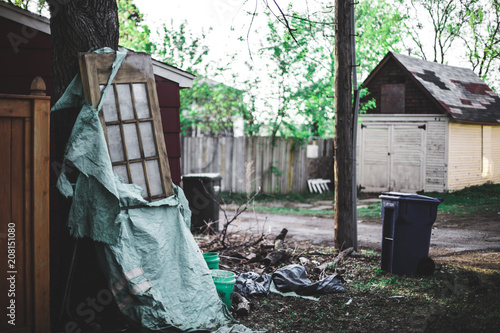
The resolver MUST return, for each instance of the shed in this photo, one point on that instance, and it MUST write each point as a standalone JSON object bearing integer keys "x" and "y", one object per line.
{"x": 434, "y": 128}
{"x": 25, "y": 47}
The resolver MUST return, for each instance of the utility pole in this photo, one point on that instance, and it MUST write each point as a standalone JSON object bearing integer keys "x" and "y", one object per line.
{"x": 355, "y": 111}
{"x": 344, "y": 122}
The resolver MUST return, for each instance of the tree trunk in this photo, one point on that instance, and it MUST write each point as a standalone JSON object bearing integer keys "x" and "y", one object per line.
{"x": 76, "y": 26}
{"x": 343, "y": 127}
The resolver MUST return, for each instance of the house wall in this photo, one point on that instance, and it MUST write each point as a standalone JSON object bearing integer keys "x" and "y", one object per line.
{"x": 474, "y": 155}
{"x": 170, "y": 103}
{"x": 385, "y": 163}
{"x": 415, "y": 102}
{"x": 436, "y": 170}
{"x": 24, "y": 54}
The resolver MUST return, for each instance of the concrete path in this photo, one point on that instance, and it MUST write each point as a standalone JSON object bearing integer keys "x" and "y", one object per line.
{"x": 321, "y": 230}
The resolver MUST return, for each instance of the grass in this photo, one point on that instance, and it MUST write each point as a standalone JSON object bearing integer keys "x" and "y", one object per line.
{"x": 469, "y": 200}
{"x": 463, "y": 202}
{"x": 453, "y": 299}
{"x": 241, "y": 198}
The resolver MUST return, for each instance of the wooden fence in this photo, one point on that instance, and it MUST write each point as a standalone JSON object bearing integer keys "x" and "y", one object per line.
{"x": 24, "y": 207}
{"x": 247, "y": 164}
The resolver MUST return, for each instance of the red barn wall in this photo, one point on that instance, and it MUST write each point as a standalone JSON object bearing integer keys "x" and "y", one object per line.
{"x": 170, "y": 103}
{"x": 416, "y": 101}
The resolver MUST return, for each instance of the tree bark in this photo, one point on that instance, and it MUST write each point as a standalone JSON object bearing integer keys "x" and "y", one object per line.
{"x": 76, "y": 26}
{"x": 343, "y": 127}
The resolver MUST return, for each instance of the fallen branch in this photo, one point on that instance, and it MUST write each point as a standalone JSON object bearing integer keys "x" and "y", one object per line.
{"x": 222, "y": 239}
{"x": 240, "y": 304}
{"x": 322, "y": 268}
{"x": 279, "y": 254}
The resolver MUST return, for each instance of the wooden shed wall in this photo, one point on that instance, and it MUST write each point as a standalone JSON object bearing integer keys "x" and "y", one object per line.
{"x": 430, "y": 150}
{"x": 474, "y": 155}
{"x": 24, "y": 54}
{"x": 436, "y": 172}
{"x": 170, "y": 103}
{"x": 416, "y": 102}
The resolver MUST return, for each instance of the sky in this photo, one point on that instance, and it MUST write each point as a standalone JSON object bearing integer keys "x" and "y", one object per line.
{"x": 228, "y": 19}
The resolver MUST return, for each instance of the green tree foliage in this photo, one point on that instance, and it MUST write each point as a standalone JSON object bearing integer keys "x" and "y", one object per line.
{"x": 483, "y": 41}
{"x": 134, "y": 34}
{"x": 436, "y": 22}
{"x": 181, "y": 47}
{"x": 302, "y": 67}
{"x": 379, "y": 28}
{"x": 465, "y": 29}
{"x": 284, "y": 61}
{"x": 38, "y": 6}
{"x": 209, "y": 107}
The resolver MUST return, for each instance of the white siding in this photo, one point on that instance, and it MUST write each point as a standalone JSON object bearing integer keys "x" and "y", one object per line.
{"x": 416, "y": 156}
{"x": 474, "y": 155}
{"x": 407, "y": 157}
{"x": 436, "y": 166}
{"x": 495, "y": 154}
{"x": 375, "y": 158}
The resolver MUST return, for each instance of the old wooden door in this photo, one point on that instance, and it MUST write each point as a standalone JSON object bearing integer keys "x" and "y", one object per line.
{"x": 392, "y": 157}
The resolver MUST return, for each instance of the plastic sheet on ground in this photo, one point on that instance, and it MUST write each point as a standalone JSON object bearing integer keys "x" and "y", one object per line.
{"x": 294, "y": 278}
{"x": 155, "y": 269}
{"x": 252, "y": 284}
{"x": 290, "y": 280}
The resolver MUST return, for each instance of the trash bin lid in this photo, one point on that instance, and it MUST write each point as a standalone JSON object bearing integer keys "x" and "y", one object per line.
{"x": 212, "y": 175}
{"x": 409, "y": 197}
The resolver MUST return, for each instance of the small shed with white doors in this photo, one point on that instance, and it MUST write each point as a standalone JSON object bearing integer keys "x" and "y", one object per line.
{"x": 434, "y": 128}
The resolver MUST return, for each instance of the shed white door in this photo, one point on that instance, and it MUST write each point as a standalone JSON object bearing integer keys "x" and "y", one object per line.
{"x": 392, "y": 157}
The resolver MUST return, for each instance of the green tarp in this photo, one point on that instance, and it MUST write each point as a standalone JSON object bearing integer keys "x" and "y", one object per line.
{"x": 155, "y": 269}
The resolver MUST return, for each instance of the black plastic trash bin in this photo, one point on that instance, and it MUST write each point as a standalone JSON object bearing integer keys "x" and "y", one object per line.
{"x": 406, "y": 231}
{"x": 202, "y": 190}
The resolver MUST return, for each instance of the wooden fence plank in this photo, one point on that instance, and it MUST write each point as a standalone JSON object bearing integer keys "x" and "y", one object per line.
{"x": 249, "y": 163}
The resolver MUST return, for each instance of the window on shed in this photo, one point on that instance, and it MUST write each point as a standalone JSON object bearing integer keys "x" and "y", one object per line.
{"x": 131, "y": 120}
{"x": 393, "y": 98}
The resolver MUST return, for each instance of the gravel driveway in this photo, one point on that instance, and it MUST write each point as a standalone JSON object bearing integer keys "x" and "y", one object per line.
{"x": 320, "y": 230}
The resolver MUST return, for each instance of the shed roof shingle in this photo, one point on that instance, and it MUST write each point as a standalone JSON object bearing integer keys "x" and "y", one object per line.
{"x": 458, "y": 90}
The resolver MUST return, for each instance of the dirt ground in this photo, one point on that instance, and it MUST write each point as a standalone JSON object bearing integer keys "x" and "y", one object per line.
{"x": 462, "y": 295}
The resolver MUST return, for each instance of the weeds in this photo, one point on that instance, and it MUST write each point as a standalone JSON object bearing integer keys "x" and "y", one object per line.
{"x": 464, "y": 202}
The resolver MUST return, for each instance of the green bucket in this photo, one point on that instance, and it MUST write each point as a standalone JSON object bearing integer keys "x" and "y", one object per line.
{"x": 224, "y": 282}
{"x": 212, "y": 259}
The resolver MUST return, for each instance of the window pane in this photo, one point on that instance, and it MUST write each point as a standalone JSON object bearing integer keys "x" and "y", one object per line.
{"x": 131, "y": 141}
{"x": 125, "y": 101}
{"x": 109, "y": 105}
{"x": 115, "y": 143}
{"x": 148, "y": 140}
{"x": 121, "y": 170}
{"x": 137, "y": 173}
{"x": 141, "y": 100}
{"x": 154, "y": 177}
